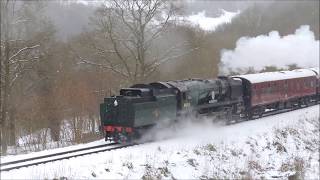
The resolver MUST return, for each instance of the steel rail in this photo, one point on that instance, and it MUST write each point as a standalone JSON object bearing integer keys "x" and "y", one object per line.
{"x": 271, "y": 113}
{"x": 275, "y": 112}
{"x": 60, "y": 158}
{"x": 55, "y": 154}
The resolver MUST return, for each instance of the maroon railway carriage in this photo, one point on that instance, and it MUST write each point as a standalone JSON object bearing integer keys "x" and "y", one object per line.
{"x": 317, "y": 71}
{"x": 278, "y": 90}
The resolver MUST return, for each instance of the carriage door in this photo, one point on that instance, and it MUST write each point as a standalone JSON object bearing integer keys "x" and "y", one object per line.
{"x": 186, "y": 100}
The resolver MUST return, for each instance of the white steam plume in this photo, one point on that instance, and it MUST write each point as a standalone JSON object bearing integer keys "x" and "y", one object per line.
{"x": 186, "y": 127}
{"x": 300, "y": 48}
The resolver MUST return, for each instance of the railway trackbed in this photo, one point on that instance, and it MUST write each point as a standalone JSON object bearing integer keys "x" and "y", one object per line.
{"x": 275, "y": 112}
{"x": 16, "y": 164}
{"x": 7, "y": 166}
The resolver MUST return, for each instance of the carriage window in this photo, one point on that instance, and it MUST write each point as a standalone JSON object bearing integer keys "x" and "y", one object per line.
{"x": 308, "y": 83}
{"x": 312, "y": 83}
{"x": 184, "y": 96}
{"x": 285, "y": 84}
{"x": 126, "y": 92}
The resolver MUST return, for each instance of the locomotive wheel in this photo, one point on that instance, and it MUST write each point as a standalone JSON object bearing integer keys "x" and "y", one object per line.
{"x": 116, "y": 138}
{"x": 307, "y": 101}
{"x": 129, "y": 139}
{"x": 249, "y": 115}
{"x": 260, "y": 111}
{"x": 123, "y": 138}
{"x": 301, "y": 102}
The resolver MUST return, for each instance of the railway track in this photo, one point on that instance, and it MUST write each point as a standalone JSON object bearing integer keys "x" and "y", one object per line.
{"x": 7, "y": 166}
{"x": 275, "y": 112}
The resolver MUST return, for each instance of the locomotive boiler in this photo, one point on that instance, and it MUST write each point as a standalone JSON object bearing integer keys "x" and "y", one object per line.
{"x": 142, "y": 106}
{"x": 241, "y": 97}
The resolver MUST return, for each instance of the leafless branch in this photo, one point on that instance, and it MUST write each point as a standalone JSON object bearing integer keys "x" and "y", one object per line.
{"x": 152, "y": 68}
{"x": 33, "y": 59}
{"x": 131, "y": 27}
{"x": 110, "y": 66}
{"x": 104, "y": 66}
{"x": 167, "y": 53}
{"x": 21, "y": 50}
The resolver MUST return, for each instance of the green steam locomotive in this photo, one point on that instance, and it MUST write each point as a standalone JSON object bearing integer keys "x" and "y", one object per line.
{"x": 142, "y": 106}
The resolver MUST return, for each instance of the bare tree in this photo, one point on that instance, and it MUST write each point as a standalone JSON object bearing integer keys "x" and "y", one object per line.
{"x": 128, "y": 34}
{"x": 20, "y": 49}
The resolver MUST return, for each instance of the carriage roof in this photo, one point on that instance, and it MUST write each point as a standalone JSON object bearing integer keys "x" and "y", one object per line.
{"x": 275, "y": 76}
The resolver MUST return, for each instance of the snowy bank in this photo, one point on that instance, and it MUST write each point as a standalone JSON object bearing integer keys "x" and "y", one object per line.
{"x": 272, "y": 147}
{"x": 207, "y": 23}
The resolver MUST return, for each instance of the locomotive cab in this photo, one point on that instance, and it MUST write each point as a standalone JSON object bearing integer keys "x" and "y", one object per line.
{"x": 125, "y": 116}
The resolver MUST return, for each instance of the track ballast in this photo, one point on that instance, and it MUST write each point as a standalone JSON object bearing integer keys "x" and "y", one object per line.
{"x": 7, "y": 166}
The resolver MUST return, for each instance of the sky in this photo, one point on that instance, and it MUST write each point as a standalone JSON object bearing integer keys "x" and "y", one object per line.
{"x": 71, "y": 17}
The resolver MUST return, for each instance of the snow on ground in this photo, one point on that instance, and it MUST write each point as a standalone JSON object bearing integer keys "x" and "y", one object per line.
{"x": 49, "y": 151}
{"x": 208, "y": 23}
{"x": 271, "y": 147}
{"x": 41, "y": 139}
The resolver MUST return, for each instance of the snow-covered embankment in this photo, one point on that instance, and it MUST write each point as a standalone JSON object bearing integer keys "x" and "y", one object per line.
{"x": 272, "y": 147}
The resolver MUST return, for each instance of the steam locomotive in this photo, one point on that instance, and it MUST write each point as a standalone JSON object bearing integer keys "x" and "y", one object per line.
{"x": 230, "y": 99}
